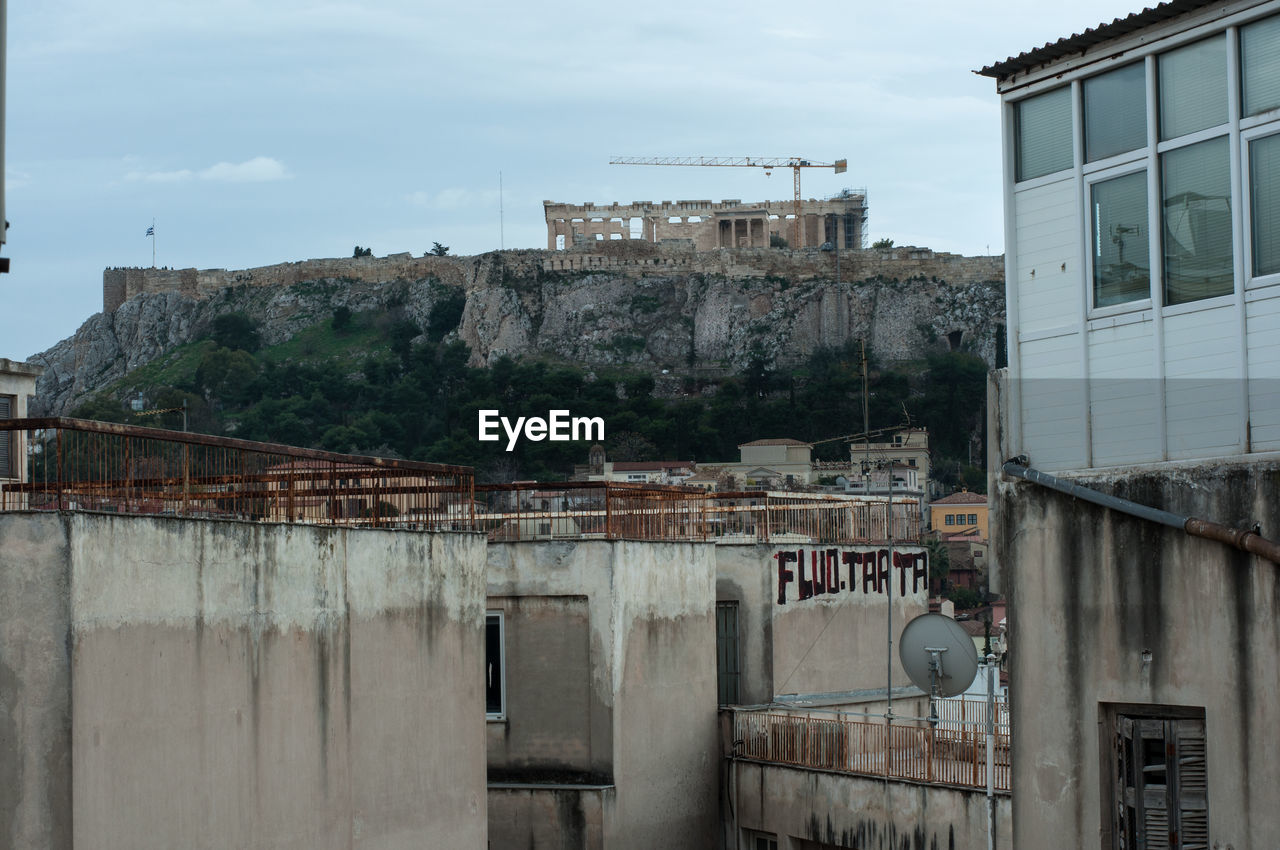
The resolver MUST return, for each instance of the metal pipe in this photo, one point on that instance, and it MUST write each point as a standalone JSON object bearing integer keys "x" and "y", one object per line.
{"x": 1246, "y": 540}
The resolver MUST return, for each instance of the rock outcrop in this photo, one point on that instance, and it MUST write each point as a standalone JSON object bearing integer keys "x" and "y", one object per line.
{"x": 592, "y": 310}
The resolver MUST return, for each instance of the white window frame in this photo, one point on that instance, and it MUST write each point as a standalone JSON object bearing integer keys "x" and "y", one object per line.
{"x": 1257, "y": 131}
{"x": 1101, "y": 175}
{"x": 501, "y": 714}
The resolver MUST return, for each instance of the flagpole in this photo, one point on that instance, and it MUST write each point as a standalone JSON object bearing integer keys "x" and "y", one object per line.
{"x": 153, "y": 243}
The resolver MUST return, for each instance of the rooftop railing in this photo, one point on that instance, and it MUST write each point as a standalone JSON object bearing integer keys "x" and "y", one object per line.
{"x": 777, "y": 517}
{"x": 951, "y": 753}
{"x": 78, "y": 464}
{"x": 602, "y": 510}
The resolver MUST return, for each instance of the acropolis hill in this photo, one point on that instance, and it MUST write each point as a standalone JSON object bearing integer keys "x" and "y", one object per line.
{"x": 633, "y": 260}
{"x": 636, "y": 304}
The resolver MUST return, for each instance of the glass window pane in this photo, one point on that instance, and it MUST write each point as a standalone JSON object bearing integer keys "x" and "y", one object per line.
{"x": 1115, "y": 112}
{"x": 1042, "y": 126}
{"x": 1193, "y": 87}
{"x": 1196, "y": 194}
{"x": 1264, "y": 193}
{"x": 1260, "y": 57}
{"x": 1121, "y": 257}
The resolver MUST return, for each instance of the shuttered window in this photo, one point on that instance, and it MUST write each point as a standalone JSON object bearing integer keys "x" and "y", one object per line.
{"x": 6, "y": 439}
{"x": 1042, "y": 129}
{"x": 727, "y": 654}
{"x": 1161, "y": 784}
{"x": 1260, "y": 58}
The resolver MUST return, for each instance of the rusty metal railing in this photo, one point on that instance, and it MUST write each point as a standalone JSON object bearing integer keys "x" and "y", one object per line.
{"x": 952, "y": 753}
{"x": 78, "y": 464}
{"x": 601, "y": 510}
{"x": 810, "y": 518}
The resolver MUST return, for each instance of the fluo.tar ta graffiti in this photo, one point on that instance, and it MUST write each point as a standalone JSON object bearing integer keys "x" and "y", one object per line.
{"x": 816, "y": 573}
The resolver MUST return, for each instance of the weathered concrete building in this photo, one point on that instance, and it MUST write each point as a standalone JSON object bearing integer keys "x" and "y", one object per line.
{"x": 1141, "y": 183}
{"x": 17, "y": 385}
{"x": 167, "y": 681}
{"x": 707, "y": 225}
{"x": 603, "y": 733}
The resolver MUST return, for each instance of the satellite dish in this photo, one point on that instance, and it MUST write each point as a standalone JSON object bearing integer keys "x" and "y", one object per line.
{"x": 938, "y": 655}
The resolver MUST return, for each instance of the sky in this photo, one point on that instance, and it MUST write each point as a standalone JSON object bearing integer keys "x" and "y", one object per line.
{"x": 255, "y": 133}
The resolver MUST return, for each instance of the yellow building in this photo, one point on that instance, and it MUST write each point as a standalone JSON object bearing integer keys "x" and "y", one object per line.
{"x": 961, "y": 513}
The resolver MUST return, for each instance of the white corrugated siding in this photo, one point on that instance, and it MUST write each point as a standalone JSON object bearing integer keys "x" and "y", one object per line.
{"x": 1202, "y": 383}
{"x": 1053, "y": 402}
{"x": 1262, "y": 333}
{"x": 1047, "y": 227}
{"x": 1124, "y": 395}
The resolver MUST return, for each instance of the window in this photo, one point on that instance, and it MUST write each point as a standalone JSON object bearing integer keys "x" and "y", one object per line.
{"x": 1193, "y": 87}
{"x": 1042, "y": 133}
{"x": 950, "y": 519}
{"x": 1264, "y": 197}
{"x": 1197, "y": 221}
{"x": 495, "y": 686}
{"x": 762, "y": 841}
{"x": 1159, "y": 794}
{"x": 1260, "y": 61}
{"x": 7, "y": 463}
{"x": 973, "y": 519}
{"x": 727, "y": 654}
{"x": 1121, "y": 257}
{"x": 1115, "y": 112}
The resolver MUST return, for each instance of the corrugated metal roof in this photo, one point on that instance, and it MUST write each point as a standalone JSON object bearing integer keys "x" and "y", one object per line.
{"x": 1080, "y": 43}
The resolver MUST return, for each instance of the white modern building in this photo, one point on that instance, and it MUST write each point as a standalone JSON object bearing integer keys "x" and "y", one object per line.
{"x": 1142, "y": 222}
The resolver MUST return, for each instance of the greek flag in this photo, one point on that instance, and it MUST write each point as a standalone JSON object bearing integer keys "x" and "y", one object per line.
{"x": 151, "y": 231}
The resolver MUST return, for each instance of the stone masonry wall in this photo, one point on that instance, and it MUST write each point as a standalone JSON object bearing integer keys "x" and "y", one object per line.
{"x": 631, "y": 259}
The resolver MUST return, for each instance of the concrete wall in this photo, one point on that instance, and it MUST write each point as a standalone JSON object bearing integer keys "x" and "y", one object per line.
{"x": 840, "y": 810}
{"x": 1090, "y": 590}
{"x": 240, "y": 685}
{"x": 559, "y": 816}
{"x": 802, "y": 636}
{"x": 650, "y": 711}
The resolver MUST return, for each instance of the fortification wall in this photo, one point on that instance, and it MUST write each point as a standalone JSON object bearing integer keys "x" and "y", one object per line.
{"x": 625, "y": 258}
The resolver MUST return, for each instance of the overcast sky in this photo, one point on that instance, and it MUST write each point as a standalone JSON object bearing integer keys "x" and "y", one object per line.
{"x": 258, "y": 133}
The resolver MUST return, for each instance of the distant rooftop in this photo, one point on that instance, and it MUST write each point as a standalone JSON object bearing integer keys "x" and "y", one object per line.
{"x": 964, "y": 497}
{"x": 779, "y": 441}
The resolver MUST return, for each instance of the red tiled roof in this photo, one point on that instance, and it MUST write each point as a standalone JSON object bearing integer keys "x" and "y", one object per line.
{"x": 1082, "y": 41}
{"x": 964, "y": 497}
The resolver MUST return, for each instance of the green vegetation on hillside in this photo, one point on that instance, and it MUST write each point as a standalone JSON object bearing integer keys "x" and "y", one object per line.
{"x": 375, "y": 384}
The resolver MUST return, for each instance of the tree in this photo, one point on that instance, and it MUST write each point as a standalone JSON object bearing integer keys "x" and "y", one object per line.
{"x": 777, "y": 240}
{"x": 939, "y": 560}
{"x": 235, "y": 331}
{"x": 362, "y": 252}
{"x": 882, "y": 245}
{"x": 964, "y": 598}
{"x": 438, "y": 250}
{"x": 341, "y": 318}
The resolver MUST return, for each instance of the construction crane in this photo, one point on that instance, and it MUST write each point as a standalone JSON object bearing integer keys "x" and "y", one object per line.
{"x": 795, "y": 163}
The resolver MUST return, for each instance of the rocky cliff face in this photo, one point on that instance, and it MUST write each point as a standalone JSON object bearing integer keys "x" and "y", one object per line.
{"x": 669, "y": 318}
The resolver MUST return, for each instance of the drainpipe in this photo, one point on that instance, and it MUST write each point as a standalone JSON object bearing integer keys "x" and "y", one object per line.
{"x": 1248, "y": 541}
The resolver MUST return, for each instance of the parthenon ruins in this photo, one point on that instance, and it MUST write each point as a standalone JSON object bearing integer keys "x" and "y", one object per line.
{"x": 840, "y": 220}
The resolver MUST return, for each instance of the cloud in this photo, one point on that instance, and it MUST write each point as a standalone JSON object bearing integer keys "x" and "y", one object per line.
{"x": 260, "y": 169}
